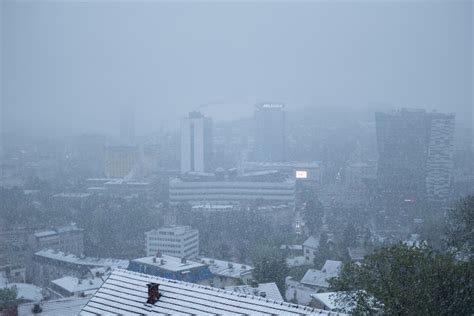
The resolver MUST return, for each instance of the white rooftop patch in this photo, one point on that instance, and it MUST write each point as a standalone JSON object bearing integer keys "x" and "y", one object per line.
{"x": 75, "y": 285}
{"x": 169, "y": 263}
{"x": 267, "y": 290}
{"x": 320, "y": 278}
{"x": 226, "y": 268}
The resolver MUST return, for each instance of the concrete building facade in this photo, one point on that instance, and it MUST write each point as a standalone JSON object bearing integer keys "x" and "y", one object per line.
{"x": 177, "y": 241}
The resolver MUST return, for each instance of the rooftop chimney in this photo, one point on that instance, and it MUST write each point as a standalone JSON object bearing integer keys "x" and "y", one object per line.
{"x": 36, "y": 308}
{"x": 153, "y": 293}
{"x": 183, "y": 260}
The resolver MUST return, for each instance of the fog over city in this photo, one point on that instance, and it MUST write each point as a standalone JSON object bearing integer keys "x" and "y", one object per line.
{"x": 236, "y": 157}
{"x": 70, "y": 66}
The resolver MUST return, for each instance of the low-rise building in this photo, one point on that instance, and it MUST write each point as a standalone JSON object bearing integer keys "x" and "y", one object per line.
{"x": 228, "y": 273}
{"x": 326, "y": 301}
{"x": 27, "y": 292}
{"x": 68, "y": 239}
{"x": 356, "y": 254}
{"x": 318, "y": 279}
{"x": 65, "y": 306}
{"x": 172, "y": 268}
{"x": 72, "y": 286}
{"x": 176, "y": 241}
{"x": 310, "y": 247}
{"x": 51, "y": 264}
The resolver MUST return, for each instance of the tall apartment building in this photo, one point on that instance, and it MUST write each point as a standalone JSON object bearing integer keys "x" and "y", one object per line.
{"x": 415, "y": 154}
{"x": 177, "y": 241}
{"x": 440, "y": 157}
{"x": 196, "y": 143}
{"x": 269, "y": 120}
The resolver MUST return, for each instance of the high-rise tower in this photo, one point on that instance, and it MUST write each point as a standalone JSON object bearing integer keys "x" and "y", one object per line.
{"x": 415, "y": 154}
{"x": 196, "y": 143}
{"x": 270, "y": 132}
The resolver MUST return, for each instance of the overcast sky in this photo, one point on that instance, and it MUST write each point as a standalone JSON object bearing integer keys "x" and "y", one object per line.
{"x": 70, "y": 66}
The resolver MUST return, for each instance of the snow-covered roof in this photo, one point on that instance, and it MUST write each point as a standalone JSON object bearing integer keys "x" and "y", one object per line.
{"x": 356, "y": 253}
{"x": 125, "y": 292}
{"x": 58, "y": 230}
{"x": 226, "y": 268}
{"x": 69, "y": 228}
{"x": 169, "y": 263}
{"x": 291, "y": 247}
{"x": 268, "y": 290}
{"x": 87, "y": 261}
{"x": 311, "y": 242}
{"x": 72, "y": 195}
{"x": 328, "y": 299}
{"x": 27, "y": 291}
{"x": 66, "y": 306}
{"x": 320, "y": 278}
{"x": 45, "y": 233}
{"x": 215, "y": 207}
{"x": 76, "y": 285}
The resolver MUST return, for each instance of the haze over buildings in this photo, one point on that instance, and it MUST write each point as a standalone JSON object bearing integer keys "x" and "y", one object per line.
{"x": 167, "y": 58}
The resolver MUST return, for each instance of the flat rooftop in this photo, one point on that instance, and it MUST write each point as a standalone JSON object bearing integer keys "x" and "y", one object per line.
{"x": 169, "y": 263}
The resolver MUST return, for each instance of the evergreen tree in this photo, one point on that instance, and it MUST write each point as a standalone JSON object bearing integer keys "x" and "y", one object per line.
{"x": 7, "y": 297}
{"x": 313, "y": 215}
{"x": 460, "y": 223}
{"x": 271, "y": 268}
{"x": 407, "y": 281}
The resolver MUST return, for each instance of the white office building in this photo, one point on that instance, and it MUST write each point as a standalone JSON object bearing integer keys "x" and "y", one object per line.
{"x": 177, "y": 241}
{"x": 231, "y": 192}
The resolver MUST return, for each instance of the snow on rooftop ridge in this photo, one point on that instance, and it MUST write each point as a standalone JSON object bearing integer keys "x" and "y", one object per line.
{"x": 311, "y": 242}
{"x": 125, "y": 292}
{"x": 291, "y": 247}
{"x": 332, "y": 266}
